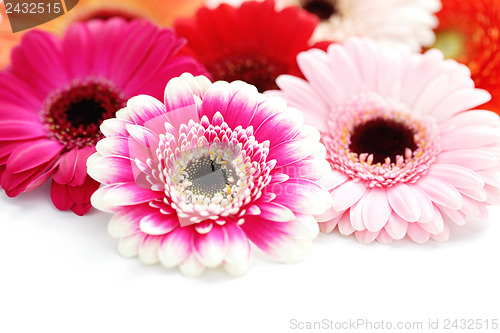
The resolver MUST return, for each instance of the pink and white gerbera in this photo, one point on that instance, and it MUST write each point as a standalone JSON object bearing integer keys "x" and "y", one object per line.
{"x": 408, "y": 154}
{"x": 195, "y": 180}
{"x": 57, "y": 92}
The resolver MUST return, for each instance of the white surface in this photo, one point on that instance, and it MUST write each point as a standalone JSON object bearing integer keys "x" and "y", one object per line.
{"x": 62, "y": 273}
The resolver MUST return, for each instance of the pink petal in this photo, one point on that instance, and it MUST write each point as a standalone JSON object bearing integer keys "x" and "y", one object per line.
{"x": 436, "y": 226}
{"x": 417, "y": 234}
{"x": 81, "y": 209}
{"x": 356, "y": 215}
{"x": 149, "y": 112}
{"x": 303, "y": 196}
{"x": 180, "y": 103}
{"x": 129, "y": 246}
{"x": 191, "y": 266}
{"x": 109, "y": 198}
{"x": 479, "y": 194}
{"x": 365, "y": 236}
{"x": 303, "y": 227}
{"x": 293, "y": 151}
{"x": 473, "y": 159}
{"x": 81, "y": 194}
{"x": 302, "y": 96}
{"x": 493, "y": 195}
{"x": 275, "y": 212}
{"x": 15, "y": 184}
{"x": 376, "y": 209}
{"x": 396, "y": 227}
{"x": 454, "y": 215}
{"x": 440, "y": 192}
{"x": 148, "y": 250}
{"x": 76, "y": 38}
{"x": 328, "y": 226}
{"x": 158, "y": 223}
{"x": 32, "y": 155}
{"x": 347, "y": 195}
{"x": 426, "y": 205}
{"x": 443, "y": 236}
{"x": 460, "y": 100}
{"x": 267, "y": 108}
{"x": 456, "y": 175}
{"x": 67, "y": 166}
{"x": 111, "y": 169}
{"x": 384, "y": 237}
{"x": 472, "y": 118}
{"x": 241, "y": 107}
{"x": 328, "y": 215}
{"x": 333, "y": 180}
{"x": 239, "y": 252}
{"x": 60, "y": 196}
{"x": 210, "y": 249}
{"x": 404, "y": 202}
{"x": 470, "y": 137}
{"x": 144, "y": 136}
{"x": 80, "y": 175}
{"x": 280, "y": 127}
{"x": 114, "y": 127}
{"x": 345, "y": 226}
{"x": 275, "y": 243}
{"x": 310, "y": 168}
{"x": 176, "y": 247}
{"x": 11, "y": 130}
{"x": 126, "y": 221}
{"x": 216, "y": 99}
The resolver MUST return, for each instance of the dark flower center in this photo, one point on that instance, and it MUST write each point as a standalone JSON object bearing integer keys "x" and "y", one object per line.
{"x": 253, "y": 69}
{"x": 73, "y": 115}
{"x": 209, "y": 177}
{"x": 323, "y": 9}
{"x": 382, "y": 138}
{"x": 106, "y": 14}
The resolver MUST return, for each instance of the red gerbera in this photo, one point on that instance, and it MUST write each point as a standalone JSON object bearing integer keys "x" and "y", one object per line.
{"x": 469, "y": 32}
{"x": 254, "y": 42}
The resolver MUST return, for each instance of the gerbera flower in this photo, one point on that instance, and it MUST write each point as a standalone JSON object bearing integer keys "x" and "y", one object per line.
{"x": 389, "y": 22}
{"x": 407, "y": 158}
{"x": 195, "y": 192}
{"x": 161, "y": 12}
{"x": 469, "y": 32}
{"x": 254, "y": 43}
{"x": 57, "y": 92}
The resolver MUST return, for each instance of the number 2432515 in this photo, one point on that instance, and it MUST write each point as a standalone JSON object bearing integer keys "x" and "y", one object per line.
{"x": 33, "y": 8}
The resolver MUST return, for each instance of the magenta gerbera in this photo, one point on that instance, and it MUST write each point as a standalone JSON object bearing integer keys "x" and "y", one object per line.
{"x": 56, "y": 93}
{"x": 195, "y": 180}
{"x": 408, "y": 155}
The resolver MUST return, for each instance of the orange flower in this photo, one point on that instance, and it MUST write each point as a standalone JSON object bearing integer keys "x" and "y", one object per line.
{"x": 469, "y": 32}
{"x": 162, "y": 12}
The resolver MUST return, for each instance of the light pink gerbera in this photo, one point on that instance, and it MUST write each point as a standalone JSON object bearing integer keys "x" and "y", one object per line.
{"x": 56, "y": 93}
{"x": 193, "y": 181}
{"x": 408, "y": 157}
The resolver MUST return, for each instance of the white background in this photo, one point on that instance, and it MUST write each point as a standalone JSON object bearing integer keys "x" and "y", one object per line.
{"x": 62, "y": 273}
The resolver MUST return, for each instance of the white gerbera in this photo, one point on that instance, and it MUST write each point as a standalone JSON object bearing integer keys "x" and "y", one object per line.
{"x": 409, "y": 22}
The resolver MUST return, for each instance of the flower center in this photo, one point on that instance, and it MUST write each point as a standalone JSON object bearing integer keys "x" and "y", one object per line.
{"x": 209, "y": 177}
{"x": 73, "y": 114}
{"x": 451, "y": 43}
{"x": 380, "y": 142}
{"x": 323, "y": 9}
{"x": 254, "y": 69}
{"x": 382, "y": 138}
{"x": 106, "y": 14}
{"x": 207, "y": 171}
